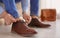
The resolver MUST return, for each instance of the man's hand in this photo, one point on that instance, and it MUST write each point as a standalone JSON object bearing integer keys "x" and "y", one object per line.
{"x": 27, "y": 17}
{"x": 8, "y": 18}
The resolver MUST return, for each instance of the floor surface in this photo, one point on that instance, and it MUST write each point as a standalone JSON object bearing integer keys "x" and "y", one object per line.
{"x": 52, "y": 32}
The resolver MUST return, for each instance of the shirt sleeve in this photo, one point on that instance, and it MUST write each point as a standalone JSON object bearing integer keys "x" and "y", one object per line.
{"x": 11, "y": 8}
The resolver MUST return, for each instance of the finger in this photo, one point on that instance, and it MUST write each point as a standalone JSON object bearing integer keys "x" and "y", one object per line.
{"x": 12, "y": 18}
{"x": 26, "y": 21}
{"x": 7, "y": 21}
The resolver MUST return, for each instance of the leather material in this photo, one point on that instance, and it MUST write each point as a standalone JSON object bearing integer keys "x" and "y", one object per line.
{"x": 22, "y": 28}
{"x": 37, "y": 23}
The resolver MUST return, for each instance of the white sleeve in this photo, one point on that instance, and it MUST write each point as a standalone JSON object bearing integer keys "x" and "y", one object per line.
{"x": 1, "y": 9}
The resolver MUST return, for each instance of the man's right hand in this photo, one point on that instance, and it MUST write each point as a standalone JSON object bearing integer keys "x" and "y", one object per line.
{"x": 8, "y": 18}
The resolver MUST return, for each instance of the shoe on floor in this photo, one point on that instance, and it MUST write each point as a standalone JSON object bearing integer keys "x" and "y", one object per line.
{"x": 37, "y": 23}
{"x": 22, "y": 28}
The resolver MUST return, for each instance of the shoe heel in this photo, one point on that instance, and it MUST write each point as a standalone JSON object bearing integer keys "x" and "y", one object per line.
{"x": 12, "y": 30}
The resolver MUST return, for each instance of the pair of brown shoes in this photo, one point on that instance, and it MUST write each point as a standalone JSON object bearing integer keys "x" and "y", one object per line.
{"x": 22, "y": 28}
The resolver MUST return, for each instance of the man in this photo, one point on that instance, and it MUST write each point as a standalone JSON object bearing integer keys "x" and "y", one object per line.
{"x": 20, "y": 26}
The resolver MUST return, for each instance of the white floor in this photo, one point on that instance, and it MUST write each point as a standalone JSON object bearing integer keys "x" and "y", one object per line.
{"x": 52, "y": 32}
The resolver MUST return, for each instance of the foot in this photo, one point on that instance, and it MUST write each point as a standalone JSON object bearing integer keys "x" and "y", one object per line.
{"x": 8, "y": 18}
{"x": 22, "y": 28}
{"x": 36, "y": 22}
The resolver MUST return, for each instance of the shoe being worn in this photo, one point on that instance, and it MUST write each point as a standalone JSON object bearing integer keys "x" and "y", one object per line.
{"x": 22, "y": 28}
{"x": 37, "y": 23}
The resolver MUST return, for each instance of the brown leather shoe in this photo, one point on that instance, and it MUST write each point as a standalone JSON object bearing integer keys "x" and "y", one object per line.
{"x": 22, "y": 28}
{"x": 37, "y": 23}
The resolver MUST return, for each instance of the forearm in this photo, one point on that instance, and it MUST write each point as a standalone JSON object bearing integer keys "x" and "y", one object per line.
{"x": 10, "y": 7}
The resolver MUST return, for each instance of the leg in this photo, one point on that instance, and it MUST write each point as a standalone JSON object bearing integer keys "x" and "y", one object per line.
{"x": 25, "y": 5}
{"x": 1, "y": 10}
{"x": 34, "y": 7}
{"x": 0, "y": 0}
{"x": 21, "y": 27}
{"x": 17, "y": 1}
{"x": 34, "y": 13}
{"x": 25, "y": 9}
